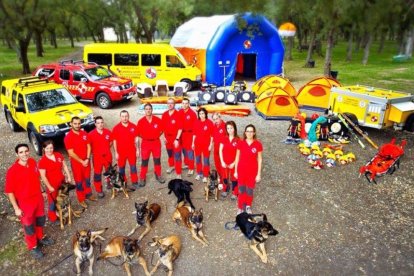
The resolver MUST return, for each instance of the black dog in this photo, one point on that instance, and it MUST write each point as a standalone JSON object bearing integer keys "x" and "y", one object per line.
{"x": 115, "y": 182}
{"x": 181, "y": 189}
{"x": 256, "y": 231}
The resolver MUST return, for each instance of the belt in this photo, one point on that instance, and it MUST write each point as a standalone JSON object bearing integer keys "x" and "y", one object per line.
{"x": 187, "y": 130}
{"x": 151, "y": 139}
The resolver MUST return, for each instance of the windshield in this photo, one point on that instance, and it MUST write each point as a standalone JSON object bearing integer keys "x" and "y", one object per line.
{"x": 98, "y": 73}
{"x": 49, "y": 99}
{"x": 182, "y": 59}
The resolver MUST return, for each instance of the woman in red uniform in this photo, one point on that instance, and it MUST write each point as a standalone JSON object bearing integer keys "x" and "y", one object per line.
{"x": 50, "y": 168}
{"x": 227, "y": 151}
{"x": 248, "y": 168}
{"x": 202, "y": 144}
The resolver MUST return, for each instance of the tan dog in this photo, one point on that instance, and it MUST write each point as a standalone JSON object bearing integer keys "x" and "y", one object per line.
{"x": 64, "y": 206}
{"x": 83, "y": 247}
{"x": 145, "y": 216}
{"x": 114, "y": 180}
{"x": 193, "y": 220}
{"x": 211, "y": 187}
{"x": 169, "y": 249}
{"x": 126, "y": 248}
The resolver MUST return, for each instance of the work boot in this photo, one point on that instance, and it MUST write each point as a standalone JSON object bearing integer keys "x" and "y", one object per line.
{"x": 46, "y": 241}
{"x": 160, "y": 179}
{"x": 37, "y": 253}
{"x": 101, "y": 195}
{"x": 92, "y": 198}
{"x": 223, "y": 194}
{"x": 178, "y": 176}
{"x": 198, "y": 177}
{"x": 185, "y": 167}
{"x": 248, "y": 209}
{"x": 83, "y": 204}
{"x": 233, "y": 197}
{"x": 190, "y": 172}
{"x": 204, "y": 179}
{"x": 170, "y": 170}
{"x": 142, "y": 183}
{"x": 134, "y": 187}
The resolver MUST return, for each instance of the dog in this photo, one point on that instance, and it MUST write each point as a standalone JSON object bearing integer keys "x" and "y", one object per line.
{"x": 145, "y": 216}
{"x": 126, "y": 248}
{"x": 182, "y": 190}
{"x": 256, "y": 231}
{"x": 192, "y": 219}
{"x": 82, "y": 243}
{"x": 64, "y": 205}
{"x": 169, "y": 249}
{"x": 211, "y": 187}
{"x": 115, "y": 181}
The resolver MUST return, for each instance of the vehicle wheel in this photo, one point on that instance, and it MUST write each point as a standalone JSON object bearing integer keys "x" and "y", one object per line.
{"x": 353, "y": 118}
{"x": 12, "y": 123}
{"x": 409, "y": 124}
{"x": 103, "y": 101}
{"x": 190, "y": 84}
{"x": 36, "y": 142}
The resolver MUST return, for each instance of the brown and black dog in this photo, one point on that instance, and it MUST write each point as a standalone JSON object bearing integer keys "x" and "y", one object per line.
{"x": 169, "y": 249}
{"x": 64, "y": 205}
{"x": 211, "y": 187}
{"x": 256, "y": 231}
{"x": 126, "y": 248}
{"x": 192, "y": 219}
{"x": 82, "y": 243}
{"x": 114, "y": 180}
{"x": 145, "y": 216}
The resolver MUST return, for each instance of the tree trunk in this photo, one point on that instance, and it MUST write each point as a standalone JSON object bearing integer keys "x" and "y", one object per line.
{"x": 9, "y": 43}
{"x": 39, "y": 43}
{"x": 328, "y": 56}
{"x": 381, "y": 41}
{"x": 366, "y": 48}
{"x": 410, "y": 43}
{"x": 308, "y": 61}
{"x": 349, "y": 48}
{"x": 358, "y": 43}
{"x": 53, "y": 40}
{"x": 23, "y": 48}
{"x": 288, "y": 54}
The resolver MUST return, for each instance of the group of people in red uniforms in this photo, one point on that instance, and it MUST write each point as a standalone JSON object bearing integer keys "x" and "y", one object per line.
{"x": 189, "y": 138}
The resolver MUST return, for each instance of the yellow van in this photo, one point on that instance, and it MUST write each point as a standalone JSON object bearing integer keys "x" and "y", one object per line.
{"x": 144, "y": 62}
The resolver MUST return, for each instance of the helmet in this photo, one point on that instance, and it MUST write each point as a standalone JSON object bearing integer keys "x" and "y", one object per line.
{"x": 343, "y": 159}
{"x": 326, "y": 151}
{"x": 314, "y": 147}
{"x": 301, "y": 146}
{"x": 318, "y": 153}
{"x": 331, "y": 156}
{"x": 303, "y": 114}
{"x": 338, "y": 153}
{"x": 351, "y": 157}
{"x": 305, "y": 151}
{"x": 314, "y": 116}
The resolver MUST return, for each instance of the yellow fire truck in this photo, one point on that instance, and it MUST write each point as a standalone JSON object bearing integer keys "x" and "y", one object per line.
{"x": 374, "y": 107}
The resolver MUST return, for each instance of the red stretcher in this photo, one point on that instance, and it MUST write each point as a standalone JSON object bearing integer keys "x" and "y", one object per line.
{"x": 386, "y": 161}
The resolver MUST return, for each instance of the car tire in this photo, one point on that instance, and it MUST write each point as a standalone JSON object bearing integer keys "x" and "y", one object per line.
{"x": 353, "y": 118}
{"x": 103, "y": 101}
{"x": 36, "y": 142}
{"x": 11, "y": 122}
{"x": 409, "y": 123}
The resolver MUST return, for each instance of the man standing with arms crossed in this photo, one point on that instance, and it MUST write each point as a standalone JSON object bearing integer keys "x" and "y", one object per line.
{"x": 125, "y": 139}
{"x": 23, "y": 189}
{"x": 189, "y": 117}
{"x": 79, "y": 151}
{"x": 172, "y": 122}
{"x": 150, "y": 129}
{"x": 101, "y": 142}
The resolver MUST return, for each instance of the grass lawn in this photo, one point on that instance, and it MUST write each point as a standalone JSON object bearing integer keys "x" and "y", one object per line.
{"x": 380, "y": 71}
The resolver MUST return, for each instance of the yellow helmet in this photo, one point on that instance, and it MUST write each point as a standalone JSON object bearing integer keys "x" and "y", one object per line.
{"x": 303, "y": 114}
{"x": 331, "y": 156}
{"x": 351, "y": 157}
{"x": 318, "y": 153}
{"x": 338, "y": 153}
{"x": 314, "y": 147}
{"x": 301, "y": 145}
{"x": 326, "y": 151}
{"x": 305, "y": 151}
{"x": 343, "y": 159}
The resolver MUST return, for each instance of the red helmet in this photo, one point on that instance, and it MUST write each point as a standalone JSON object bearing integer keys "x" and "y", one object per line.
{"x": 314, "y": 116}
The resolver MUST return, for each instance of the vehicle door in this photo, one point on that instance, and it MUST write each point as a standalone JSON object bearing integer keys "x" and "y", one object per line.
{"x": 65, "y": 80}
{"x": 127, "y": 65}
{"x": 21, "y": 114}
{"x": 174, "y": 69}
{"x": 151, "y": 68}
{"x": 82, "y": 85}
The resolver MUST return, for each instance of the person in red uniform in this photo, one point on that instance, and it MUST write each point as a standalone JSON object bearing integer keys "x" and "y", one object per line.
{"x": 51, "y": 167}
{"x": 202, "y": 144}
{"x": 125, "y": 141}
{"x": 79, "y": 151}
{"x": 150, "y": 129}
{"x": 189, "y": 117}
{"x": 101, "y": 143}
{"x": 228, "y": 150}
{"x": 218, "y": 135}
{"x": 172, "y": 124}
{"x": 248, "y": 167}
{"x": 24, "y": 191}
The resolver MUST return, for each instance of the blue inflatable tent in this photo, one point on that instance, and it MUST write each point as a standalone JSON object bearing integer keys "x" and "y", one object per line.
{"x": 222, "y": 46}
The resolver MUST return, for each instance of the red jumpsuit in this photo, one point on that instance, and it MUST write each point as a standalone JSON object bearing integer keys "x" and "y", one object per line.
{"x": 150, "y": 133}
{"x": 172, "y": 123}
{"x": 189, "y": 117}
{"x": 24, "y": 183}
{"x": 247, "y": 170}
{"x": 101, "y": 154}
{"x": 78, "y": 143}
{"x": 229, "y": 156}
{"x": 55, "y": 177}
{"x": 218, "y": 134}
{"x": 126, "y": 149}
{"x": 203, "y": 131}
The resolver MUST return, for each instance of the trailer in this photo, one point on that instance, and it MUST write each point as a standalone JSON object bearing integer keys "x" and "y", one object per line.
{"x": 374, "y": 107}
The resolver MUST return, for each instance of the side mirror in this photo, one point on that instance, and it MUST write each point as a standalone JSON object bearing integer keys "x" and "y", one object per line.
{"x": 20, "y": 108}
{"x": 84, "y": 80}
{"x": 78, "y": 98}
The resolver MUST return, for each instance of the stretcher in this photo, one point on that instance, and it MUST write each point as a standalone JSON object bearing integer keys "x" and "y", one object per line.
{"x": 386, "y": 161}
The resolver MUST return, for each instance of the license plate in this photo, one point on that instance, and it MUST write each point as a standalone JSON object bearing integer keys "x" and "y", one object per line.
{"x": 130, "y": 95}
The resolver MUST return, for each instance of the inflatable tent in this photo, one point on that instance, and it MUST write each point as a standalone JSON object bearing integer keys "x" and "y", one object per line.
{"x": 315, "y": 94}
{"x": 276, "y": 104}
{"x": 273, "y": 81}
{"x": 222, "y": 46}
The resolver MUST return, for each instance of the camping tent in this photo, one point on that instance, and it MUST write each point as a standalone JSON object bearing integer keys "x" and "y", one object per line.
{"x": 276, "y": 104}
{"x": 315, "y": 94}
{"x": 273, "y": 81}
{"x": 247, "y": 44}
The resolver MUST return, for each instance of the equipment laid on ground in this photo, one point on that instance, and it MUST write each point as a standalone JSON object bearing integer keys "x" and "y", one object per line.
{"x": 386, "y": 161}
{"x": 365, "y": 136}
{"x": 374, "y": 107}
{"x": 208, "y": 93}
{"x": 353, "y": 134}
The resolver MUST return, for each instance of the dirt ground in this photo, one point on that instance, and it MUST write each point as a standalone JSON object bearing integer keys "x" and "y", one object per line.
{"x": 329, "y": 221}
